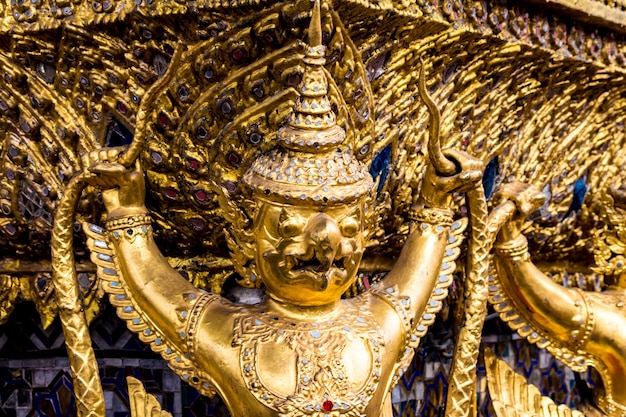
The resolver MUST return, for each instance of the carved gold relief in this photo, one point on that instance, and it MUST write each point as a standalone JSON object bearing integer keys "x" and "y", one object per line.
{"x": 291, "y": 166}
{"x": 512, "y": 395}
{"x": 143, "y": 404}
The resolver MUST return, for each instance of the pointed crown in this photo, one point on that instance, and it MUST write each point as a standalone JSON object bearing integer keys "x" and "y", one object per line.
{"x": 310, "y": 163}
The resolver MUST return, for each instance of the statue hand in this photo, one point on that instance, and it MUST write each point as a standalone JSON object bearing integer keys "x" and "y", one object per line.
{"x": 124, "y": 191}
{"x": 437, "y": 189}
{"x": 527, "y": 199}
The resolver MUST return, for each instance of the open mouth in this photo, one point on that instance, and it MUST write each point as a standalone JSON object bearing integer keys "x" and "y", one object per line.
{"x": 312, "y": 272}
{"x": 296, "y": 263}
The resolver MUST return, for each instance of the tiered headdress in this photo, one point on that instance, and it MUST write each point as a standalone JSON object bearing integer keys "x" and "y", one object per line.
{"x": 311, "y": 163}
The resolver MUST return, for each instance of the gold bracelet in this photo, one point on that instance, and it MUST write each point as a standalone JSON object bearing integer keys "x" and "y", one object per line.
{"x": 195, "y": 314}
{"x": 433, "y": 216}
{"x": 129, "y": 227}
{"x": 513, "y": 248}
{"x": 128, "y": 221}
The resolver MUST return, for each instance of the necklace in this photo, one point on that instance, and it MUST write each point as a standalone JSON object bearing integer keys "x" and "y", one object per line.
{"x": 323, "y": 386}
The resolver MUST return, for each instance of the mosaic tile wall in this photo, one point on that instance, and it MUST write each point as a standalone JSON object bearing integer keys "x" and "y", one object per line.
{"x": 35, "y": 379}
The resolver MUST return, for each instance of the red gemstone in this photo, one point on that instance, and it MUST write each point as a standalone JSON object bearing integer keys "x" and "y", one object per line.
{"x": 237, "y": 54}
{"x": 200, "y": 195}
{"x": 233, "y": 158}
{"x": 122, "y": 107}
{"x": 163, "y": 120}
{"x": 170, "y": 193}
{"x": 231, "y": 187}
{"x": 294, "y": 79}
{"x": 328, "y": 405}
{"x": 193, "y": 164}
{"x": 197, "y": 224}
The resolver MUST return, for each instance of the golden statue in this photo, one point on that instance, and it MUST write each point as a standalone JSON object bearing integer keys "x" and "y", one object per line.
{"x": 303, "y": 350}
{"x": 580, "y": 328}
{"x": 202, "y": 88}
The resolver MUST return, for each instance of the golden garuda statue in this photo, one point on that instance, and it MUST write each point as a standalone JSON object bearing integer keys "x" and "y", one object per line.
{"x": 287, "y": 148}
{"x": 580, "y": 328}
{"x": 302, "y": 350}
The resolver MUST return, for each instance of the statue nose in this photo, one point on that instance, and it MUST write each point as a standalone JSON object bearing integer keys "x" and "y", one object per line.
{"x": 325, "y": 236}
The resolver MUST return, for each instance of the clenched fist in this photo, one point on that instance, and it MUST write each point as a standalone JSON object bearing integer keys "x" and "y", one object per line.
{"x": 124, "y": 190}
{"x": 527, "y": 199}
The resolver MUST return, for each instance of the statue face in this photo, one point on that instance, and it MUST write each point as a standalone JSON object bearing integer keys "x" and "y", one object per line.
{"x": 306, "y": 256}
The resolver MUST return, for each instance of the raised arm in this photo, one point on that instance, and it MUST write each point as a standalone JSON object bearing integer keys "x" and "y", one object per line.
{"x": 418, "y": 267}
{"x": 557, "y": 311}
{"x": 160, "y": 294}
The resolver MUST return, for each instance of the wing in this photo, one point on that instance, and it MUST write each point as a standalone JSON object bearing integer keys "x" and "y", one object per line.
{"x": 63, "y": 93}
{"x": 414, "y": 332}
{"x": 136, "y": 320}
{"x": 513, "y": 396}
{"x": 578, "y": 361}
{"x": 141, "y": 403}
{"x": 529, "y": 114}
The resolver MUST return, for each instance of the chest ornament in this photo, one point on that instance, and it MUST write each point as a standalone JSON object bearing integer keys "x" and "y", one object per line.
{"x": 323, "y": 387}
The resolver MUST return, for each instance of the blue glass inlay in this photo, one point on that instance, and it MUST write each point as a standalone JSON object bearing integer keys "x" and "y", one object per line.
{"x": 489, "y": 177}
{"x": 580, "y": 191}
{"x": 380, "y": 167}
{"x": 101, "y": 244}
{"x": 96, "y": 229}
{"x": 117, "y": 134}
{"x": 105, "y": 257}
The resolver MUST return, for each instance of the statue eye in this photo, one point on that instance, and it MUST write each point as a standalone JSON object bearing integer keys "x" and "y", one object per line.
{"x": 350, "y": 227}
{"x": 290, "y": 227}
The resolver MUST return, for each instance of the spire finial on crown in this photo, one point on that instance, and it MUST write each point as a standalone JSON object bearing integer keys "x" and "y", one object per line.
{"x": 315, "y": 27}
{"x": 312, "y": 125}
{"x": 311, "y": 163}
